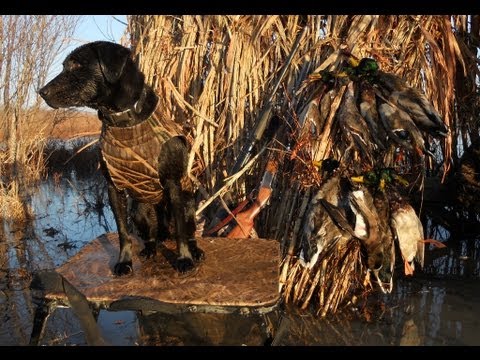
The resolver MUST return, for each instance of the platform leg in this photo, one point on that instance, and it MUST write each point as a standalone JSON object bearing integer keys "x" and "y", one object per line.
{"x": 42, "y": 312}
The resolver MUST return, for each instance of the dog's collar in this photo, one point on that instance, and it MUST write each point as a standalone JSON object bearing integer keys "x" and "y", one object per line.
{"x": 129, "y": 116}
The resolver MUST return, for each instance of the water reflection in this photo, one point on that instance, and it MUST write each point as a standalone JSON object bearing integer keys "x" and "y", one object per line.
{"x": 69, "y": 208}
{"x": 419, "y": 312}
{"x": 73, "y": 213}
{"x": 204, "y": 329}
{"x": 439, "y": 306}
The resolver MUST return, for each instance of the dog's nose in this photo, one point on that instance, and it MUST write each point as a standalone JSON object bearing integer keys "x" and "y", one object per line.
{"x": 43, "y": 92}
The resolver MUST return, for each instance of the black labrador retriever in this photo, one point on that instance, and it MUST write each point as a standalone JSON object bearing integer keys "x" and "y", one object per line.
{"x": 143, "y": 155}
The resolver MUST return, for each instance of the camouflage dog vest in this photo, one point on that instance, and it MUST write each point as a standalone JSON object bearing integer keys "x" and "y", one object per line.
{"x": 131, "y": 155}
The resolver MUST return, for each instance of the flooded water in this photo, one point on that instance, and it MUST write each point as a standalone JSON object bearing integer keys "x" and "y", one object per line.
{"x": 439, "y": 306}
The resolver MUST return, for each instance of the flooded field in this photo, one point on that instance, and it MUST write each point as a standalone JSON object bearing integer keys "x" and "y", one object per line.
{"x": 439, "y": 306}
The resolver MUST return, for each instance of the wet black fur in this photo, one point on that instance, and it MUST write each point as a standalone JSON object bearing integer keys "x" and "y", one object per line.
{"x": 102, "y": 75}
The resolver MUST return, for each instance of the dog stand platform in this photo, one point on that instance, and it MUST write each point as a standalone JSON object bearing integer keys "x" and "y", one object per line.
{"x": 237, "y": 275}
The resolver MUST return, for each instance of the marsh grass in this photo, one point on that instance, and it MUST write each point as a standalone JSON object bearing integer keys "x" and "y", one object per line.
{"x": 12, "y": 204}
{"x": 32, "y": 152}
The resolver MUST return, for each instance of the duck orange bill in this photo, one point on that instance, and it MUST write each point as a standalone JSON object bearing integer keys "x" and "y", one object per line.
{"x": 435, "y": 243}
{"x": 358, "y": 179}
{"x": 408, "y": 268}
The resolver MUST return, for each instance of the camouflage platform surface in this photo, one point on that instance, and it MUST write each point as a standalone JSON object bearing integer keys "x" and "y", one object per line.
{"x": 236, "y": 273}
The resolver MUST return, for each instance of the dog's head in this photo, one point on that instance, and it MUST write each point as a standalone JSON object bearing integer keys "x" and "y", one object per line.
{"x": 96, "y": 74}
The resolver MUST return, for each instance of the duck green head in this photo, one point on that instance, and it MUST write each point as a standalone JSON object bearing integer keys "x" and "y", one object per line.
{"x": 386, "y": 176}
{"x": 367, "y": 68}
{"x": 389, "y": 175}
{"x": 328, "y": 78}
{"x": 369, "y": 178}
{"x": 329, "y": 165}
{"x": 379, "y": 178}
{"x": 325, "y": 76}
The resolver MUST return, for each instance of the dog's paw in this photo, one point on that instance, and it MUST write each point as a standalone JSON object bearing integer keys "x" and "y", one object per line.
{"x": 123, "y": 268}
{"x": 149, "y": 251}
{"x": 184, "y": 264}
{"x": 197, "y": 253}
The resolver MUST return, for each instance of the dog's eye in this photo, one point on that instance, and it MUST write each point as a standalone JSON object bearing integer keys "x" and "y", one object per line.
{"x": 73, "y": 65}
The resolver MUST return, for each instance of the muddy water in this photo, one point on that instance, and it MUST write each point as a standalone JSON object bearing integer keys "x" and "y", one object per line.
{"x": 439, "y": 306}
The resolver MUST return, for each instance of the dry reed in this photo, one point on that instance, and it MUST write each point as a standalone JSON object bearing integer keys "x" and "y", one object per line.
{"x": 214, "y": 74}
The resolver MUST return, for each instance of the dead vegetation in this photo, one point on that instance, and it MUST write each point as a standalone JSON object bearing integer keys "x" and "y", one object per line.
{"x": 72, "y": 124}
{"x": 28, "y": 47}
{"x": 215, "y": 74}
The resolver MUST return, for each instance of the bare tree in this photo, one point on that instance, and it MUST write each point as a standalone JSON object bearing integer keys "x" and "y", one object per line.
{"x": 29, "y": 45}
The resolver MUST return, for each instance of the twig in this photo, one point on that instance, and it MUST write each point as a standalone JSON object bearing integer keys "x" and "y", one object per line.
{"x": 80, "y": 150}
{"x": 228, "y": 182}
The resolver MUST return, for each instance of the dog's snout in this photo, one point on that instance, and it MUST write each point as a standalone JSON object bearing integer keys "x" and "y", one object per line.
{"x": 49, "y": 94}
{"x": 44, "y": 91}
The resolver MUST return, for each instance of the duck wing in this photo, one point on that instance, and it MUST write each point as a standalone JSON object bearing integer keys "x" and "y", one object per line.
{"x": 421, "y": 111}
{"x": 401, "y": 128}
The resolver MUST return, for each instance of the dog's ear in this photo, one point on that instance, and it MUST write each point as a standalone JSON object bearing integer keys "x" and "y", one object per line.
{"x": 112, "y": 58}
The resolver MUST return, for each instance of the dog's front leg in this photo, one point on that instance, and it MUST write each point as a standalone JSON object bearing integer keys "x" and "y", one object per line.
{"x": 172, "y": 166}
{"x": 118, "y": 202}
{"x": 184, "y": 226}
{"x": 146, "y": 221}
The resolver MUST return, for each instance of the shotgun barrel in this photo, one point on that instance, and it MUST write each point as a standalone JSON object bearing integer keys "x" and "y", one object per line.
{"x": 265, "y": 115}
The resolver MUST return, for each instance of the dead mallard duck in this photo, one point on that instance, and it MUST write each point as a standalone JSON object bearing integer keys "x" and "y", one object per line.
{"x": 367, "y": 227}
{"x": 382, "y": 184}
{"x": 407, "y": 227}
{"x": 396, "y": 92}
{"x": 408, "y": 231}
{"x": 325, "y": 222}
{"x": 401, "y": 129}
{"x": 354, "y": 126}
{"x": 371, "y": 208}
{"x": 367, "y": 104}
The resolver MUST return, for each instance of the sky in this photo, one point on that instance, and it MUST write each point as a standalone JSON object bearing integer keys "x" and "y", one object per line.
{"x": 92, "y": 28}
{"x": 100, "y": 27}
